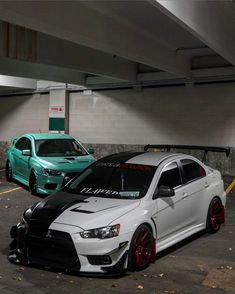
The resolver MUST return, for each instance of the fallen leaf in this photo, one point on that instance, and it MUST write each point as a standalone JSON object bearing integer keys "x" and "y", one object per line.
{"x": 230, "y": 249}
{"x": 140, "y": 287}
{"x": 0, "y": 277}
{"x": 161, "y": 275}
{"x": 71, "y": 281}
{"x": 144, "y": 275}
{"x": 7, "y": 206}
{"x": 57, "y": 277}
{"x": 114, "y": 286}
{"x": 22, "y": 268}
{"x": 213, "y": 287}
{"x": 229, "y": 267}
{"x": 17, "y": 278}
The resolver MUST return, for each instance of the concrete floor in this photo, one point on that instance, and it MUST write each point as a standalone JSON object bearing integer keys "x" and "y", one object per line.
{"x": 202, "y": 264}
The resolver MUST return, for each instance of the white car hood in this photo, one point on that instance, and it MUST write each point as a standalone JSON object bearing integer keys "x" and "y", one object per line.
{"x": 96, "y": 212}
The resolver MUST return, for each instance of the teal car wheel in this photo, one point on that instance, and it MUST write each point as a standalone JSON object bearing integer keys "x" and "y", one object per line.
{"x": 33, "y": 184}
{"x": 8, "y": 171}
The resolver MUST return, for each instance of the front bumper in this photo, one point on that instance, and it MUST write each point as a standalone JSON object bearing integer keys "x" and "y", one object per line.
{"x": 68, "y": 252}
{"x": 51, "y": 184}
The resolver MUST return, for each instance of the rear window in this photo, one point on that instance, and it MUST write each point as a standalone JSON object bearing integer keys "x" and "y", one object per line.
{"x": 192, "y": 170}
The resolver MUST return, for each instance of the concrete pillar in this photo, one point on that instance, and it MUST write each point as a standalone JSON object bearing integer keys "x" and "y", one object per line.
{"x": 58, "y": 111}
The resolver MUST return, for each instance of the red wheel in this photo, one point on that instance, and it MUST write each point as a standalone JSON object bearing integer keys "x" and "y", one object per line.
{"x": 142, "y": 248}
{"x": 215, "y": 215}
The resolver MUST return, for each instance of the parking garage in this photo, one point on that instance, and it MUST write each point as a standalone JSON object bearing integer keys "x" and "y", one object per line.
{"x": 118, "y": 75}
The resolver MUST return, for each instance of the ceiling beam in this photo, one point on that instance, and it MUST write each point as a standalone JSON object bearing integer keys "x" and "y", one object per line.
{"x": 62, "y": 53}
{"x": 218, "y": 74}
{"x": 210, "y": 21}
{"x": 78, "y": 23}
{"x": 16, "y": 82}
{"x": 14, "y": 67}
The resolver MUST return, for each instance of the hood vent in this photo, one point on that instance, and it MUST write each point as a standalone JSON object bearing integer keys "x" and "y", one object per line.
{"x": 82, "y": 211}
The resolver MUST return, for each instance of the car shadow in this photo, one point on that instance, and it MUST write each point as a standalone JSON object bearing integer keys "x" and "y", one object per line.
{"x": 180, "y": 244}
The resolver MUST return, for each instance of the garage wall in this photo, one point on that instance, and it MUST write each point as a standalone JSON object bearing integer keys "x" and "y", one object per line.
{"x": 19, "y": 115}
{"x": 204, "y": 114}
{"x": 23, "y": 114}
{"x": 119, "y": 120}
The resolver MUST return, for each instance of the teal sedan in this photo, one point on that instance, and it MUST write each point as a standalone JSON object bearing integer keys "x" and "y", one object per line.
{"x": 46, "y": 162}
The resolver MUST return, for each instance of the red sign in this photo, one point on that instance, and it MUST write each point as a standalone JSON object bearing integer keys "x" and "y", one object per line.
{"x": 57, "y": 109}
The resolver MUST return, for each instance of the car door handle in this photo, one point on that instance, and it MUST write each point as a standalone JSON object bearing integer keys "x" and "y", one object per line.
{"x": 206, "y": 185}
{"x": 185, "y": 195}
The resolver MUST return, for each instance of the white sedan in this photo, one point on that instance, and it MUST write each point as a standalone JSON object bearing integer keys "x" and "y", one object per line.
{"x": 119, "y": 212}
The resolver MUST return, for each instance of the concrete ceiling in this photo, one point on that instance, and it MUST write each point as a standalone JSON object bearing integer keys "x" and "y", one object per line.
{"x": 118, "y": 43}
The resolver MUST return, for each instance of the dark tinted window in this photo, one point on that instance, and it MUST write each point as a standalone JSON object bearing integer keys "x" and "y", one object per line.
{"x": 170, "y": 176}
{"x": 104, "y": 179}
{"x": 27, "y": 144}
{"x": 192, "y": 170}
{"x": 23, "y": 144}
{"x": 58, "y": 147}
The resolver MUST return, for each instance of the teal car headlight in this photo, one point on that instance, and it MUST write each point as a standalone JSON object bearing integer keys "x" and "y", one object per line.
{"x": 101, "y": 233}
{"x": 51, "y": 172}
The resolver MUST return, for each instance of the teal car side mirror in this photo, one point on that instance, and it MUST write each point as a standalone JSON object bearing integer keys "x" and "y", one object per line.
{"x": 26, "y": 152}
{"x": 91, "y": 150}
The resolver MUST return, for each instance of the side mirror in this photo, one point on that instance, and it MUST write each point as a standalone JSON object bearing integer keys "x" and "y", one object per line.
{"x": 91, "y": 150}
{"x": 26, "y": 152}
{"x": 164, "y": 191}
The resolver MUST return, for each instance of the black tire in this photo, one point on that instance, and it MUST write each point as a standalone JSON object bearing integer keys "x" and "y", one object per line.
{"x": 142, "y": 249}
{"x": 215, "y": 216}
{"x": 33, "y": 183}
{"x": 8, "y": 171}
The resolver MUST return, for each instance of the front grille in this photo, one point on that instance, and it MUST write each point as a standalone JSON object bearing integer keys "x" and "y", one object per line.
{"x": 99, "y": 259}
{"x": 50, "y": 186}
{"x": 52, "y": 249}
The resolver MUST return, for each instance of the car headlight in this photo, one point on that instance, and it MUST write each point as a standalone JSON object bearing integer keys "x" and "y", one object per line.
{"x": 51, "y": 172}
{"x": 28, "y": 212}
{"x": 102, "y": 233}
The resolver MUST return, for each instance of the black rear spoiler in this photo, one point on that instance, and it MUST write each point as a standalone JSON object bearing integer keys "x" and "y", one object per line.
{"x": 206, "y": 149}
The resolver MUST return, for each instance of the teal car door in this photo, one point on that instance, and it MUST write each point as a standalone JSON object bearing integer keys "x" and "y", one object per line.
{"x": 16, "y": 153}
{"x": 25, "y": 160}
{"x": 21, "y": 162}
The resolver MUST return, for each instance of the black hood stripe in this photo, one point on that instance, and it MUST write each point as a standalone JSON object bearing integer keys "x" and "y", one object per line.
{"x": 50, "y": 208}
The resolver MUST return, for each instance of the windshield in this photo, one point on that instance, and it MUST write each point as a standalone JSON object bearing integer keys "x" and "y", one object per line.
{"x": 58, "y": 147}
{"x": 113, "y": 180}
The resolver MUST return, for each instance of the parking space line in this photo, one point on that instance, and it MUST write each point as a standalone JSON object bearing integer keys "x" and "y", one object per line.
{"x": 9, "y": 191}
{"x": 230, "y": 187}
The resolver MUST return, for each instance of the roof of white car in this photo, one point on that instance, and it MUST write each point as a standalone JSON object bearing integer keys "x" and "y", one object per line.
{"x": 146, "y": 158}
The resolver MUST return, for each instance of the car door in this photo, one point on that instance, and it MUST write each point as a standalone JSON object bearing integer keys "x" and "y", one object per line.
{"x": 16, "y": 153}
{"x": 196, "y": 186}
{"x": 21, "y": 162}
{"x": 25, "y": 160}
{"x": 171, "y": 214}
